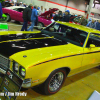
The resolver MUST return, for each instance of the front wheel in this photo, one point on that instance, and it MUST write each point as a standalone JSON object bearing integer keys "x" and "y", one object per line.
{"x": 54, "y": 82}
{"x": 8, "y": 18}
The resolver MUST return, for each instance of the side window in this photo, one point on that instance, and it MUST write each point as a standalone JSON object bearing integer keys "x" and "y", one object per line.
{"x": 19, "y": 9}
{"x": 94, "y": 38}
{"x": 15, "y": 9}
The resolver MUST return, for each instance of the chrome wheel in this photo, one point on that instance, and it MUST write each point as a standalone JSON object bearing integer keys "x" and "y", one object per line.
{"x": 8, "y": 18}
{"x": 56, "y": 81}
{"x": 40, "y": 25}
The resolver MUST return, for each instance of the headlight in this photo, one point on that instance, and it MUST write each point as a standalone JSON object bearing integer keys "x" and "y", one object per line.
{"x": 22, "y": 71}
{"x": 15, "y": 66}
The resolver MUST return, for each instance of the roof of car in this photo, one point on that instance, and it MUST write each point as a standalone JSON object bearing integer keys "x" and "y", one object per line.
{"x": 13, "y": 7}
{"x": 80, "y": 27}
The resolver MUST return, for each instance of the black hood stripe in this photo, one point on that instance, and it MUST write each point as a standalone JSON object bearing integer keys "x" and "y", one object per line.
{"x": 64, "y": 57}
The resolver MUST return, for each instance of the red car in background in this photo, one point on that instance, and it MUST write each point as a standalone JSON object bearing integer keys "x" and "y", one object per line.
{"x": 16, "y": 12}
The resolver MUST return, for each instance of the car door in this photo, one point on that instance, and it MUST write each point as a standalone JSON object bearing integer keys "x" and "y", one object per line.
{"x": 20, "y": 14}
{"x": 91, "y": 56}
{"x": 17, "y": 15}
{"x": 13, "y": 14}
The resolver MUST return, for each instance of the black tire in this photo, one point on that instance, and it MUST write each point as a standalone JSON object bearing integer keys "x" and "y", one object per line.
{"x": 8, "y": 18}
{"x": 4, "y": 19}
{"x": 51, "y": 81}
{"x": 40, "y": 25}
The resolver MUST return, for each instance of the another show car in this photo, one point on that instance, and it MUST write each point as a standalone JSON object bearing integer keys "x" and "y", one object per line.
{"x": 45, "y": 58}
{"x": 16, "y": 13}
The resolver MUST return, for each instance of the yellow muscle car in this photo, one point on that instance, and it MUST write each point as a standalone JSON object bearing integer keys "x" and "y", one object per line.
{"x": 45, "y": 58}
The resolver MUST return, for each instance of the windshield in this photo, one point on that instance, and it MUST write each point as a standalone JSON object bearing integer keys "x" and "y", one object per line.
{"x": 66, "y": 33}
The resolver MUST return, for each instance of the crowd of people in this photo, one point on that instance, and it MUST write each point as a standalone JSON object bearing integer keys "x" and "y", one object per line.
{"x": 66, "y": 17}
{"x": 93, "y": 24}
{"x": 35, "y": 13}
{"x": 30, "y": 14}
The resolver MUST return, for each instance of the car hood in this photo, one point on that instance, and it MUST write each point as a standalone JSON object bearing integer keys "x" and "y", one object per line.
{"x": 34, "y": 57}
{"x": 14, "y": 43}
{"x": 49, "y": 12}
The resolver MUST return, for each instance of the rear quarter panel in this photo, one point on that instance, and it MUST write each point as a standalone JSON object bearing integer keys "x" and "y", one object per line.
{"x": 44, "y": 21}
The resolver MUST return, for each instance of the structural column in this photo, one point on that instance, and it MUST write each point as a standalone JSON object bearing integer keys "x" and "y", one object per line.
{"x": 89, "y": 8}
{"x": 66, "y": 4}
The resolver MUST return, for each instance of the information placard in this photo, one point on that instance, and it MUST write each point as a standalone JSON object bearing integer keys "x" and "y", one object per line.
{"x": 10, "y": 86}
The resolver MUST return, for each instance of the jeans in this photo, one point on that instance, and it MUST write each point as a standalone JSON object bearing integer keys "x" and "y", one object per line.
{"x": 32, "y": 26}
{"x": 24, "y": 27}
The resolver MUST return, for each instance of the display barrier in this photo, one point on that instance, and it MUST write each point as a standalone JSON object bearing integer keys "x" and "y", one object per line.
{"x": 10, "y": 86}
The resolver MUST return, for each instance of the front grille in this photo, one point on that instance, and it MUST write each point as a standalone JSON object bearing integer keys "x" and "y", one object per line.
{"x": 4, "y": 61}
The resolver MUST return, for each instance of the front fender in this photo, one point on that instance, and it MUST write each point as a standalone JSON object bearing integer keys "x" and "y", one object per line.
{"x": 42, "y": 71}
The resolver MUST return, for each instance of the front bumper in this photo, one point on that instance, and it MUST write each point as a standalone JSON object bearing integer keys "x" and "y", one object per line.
{"x": 26, "y": 83}
{"x": 3, "y": 69}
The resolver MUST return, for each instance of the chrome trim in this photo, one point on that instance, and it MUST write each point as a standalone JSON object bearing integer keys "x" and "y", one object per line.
{"x": 56, "y": 81}
{"x": 26, "y": 83}
{"x": 2, "y": 71}
{"x": 3, "y": 56}
{"x": 4, "y": 61}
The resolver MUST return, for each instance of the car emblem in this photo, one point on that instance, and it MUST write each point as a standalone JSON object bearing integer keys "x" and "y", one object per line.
{"x": 24, "y": 56}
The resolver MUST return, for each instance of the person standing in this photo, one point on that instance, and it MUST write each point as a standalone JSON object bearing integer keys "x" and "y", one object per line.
{"x": 83, "y": 21}
{"x": 34, "y": 16}
{"x": 58, "y": 16}
{"x": 41, "y": 10}
{"x": 90, "y": 20}
{"x": 91, "y": 24}
{"x": 26, "y": 17}
{"x": 66, "y": 16}
{"x": 1, "y": 11}
{"x": 98, "y": 25}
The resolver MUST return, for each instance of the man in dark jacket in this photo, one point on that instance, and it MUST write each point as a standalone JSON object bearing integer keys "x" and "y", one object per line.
{"x": 33, "y": 18}
{"x": 0, "y": 11}
{"x": 26, "y": 17}
{"x": 66, "y": 17}
{"x": 58, "y": 16}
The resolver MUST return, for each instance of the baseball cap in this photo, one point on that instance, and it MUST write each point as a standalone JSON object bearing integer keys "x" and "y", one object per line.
{"x": 67, "y": 11}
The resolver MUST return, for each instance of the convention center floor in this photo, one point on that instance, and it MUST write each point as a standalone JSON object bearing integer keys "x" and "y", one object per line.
{"x": 77, "y": 87}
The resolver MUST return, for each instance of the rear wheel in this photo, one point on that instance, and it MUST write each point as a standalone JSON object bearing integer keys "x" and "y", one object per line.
{"x": 54, "y": 82}
{"x": 8, "y": 18}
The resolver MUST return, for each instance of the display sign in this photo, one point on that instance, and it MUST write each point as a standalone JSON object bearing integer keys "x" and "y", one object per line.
{"x": 10, "y": 86}
{"x": 3, "y": 27}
